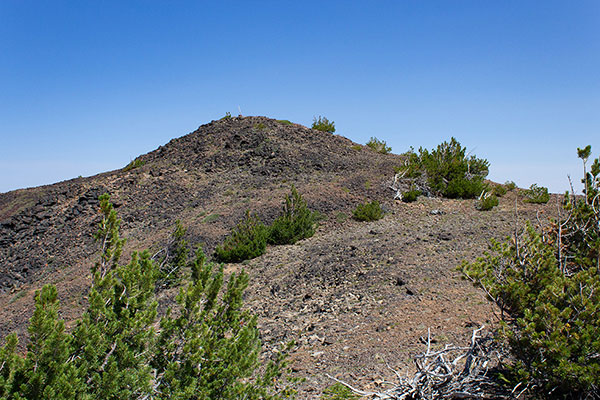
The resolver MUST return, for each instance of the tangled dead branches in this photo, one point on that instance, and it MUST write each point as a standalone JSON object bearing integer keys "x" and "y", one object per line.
{"x": 450, "y": 373}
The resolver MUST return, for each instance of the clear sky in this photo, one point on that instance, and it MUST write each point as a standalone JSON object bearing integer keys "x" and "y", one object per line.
{"x": 86, "y": 86}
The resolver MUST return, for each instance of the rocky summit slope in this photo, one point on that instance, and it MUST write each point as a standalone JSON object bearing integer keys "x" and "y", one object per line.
{"x": 355, "y": 297}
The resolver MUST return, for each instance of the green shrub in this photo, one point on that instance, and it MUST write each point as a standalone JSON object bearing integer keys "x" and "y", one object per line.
{"x": 510, "y": 185}
{"x": 204, "y": 346}
{"x": 356, "y": 147}
{"x": 132, "y": 165}
{"x": 451, "y": 173}
{"x": 297, "y": 221}
{"x": 412, "y": 168}
{"x": 448, "y": 170}
{"x": 411, "y": 195}
{"x": 341, "y": 217}
{"x": 537, "y": 194}
{"x": 338, "y": 392}
{"x": 211, "y": 218}
{"x": 379, "y": 146}
{"x": 226, "y": 117}
{"x": 547, "y": 285}
{"x": 486, "y": 202}
{"x": 462, "y": 188}
{"x": 323, "y": 124}
{"x": 174, "y": 258}
{"x": 368, "y": 211}
{"x": 248, "y": 240}
{"x": 285, "y": 122}
{"x": 499, "y": 190}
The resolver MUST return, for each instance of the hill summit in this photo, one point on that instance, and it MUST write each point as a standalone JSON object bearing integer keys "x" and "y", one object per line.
{"x": 355, "y": 296}
{"x": 220, "y": 169}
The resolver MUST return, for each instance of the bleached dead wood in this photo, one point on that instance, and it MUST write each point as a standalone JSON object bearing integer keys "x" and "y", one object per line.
{"x": 452, "y": 372}
{"x": 395, "y": 185}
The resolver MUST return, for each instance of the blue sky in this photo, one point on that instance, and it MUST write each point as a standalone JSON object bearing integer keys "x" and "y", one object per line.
{"x": 86, "y": 86}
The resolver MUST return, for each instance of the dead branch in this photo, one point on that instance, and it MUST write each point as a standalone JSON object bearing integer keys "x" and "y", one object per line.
{"x": 450, "y": 373}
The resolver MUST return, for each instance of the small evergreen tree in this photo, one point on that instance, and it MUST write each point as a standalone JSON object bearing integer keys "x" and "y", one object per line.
{"x": 411, "y": 195}
{"x": 206, "y": 347}
{"x": 368, "y": 211}
{"x": 453, "y": 174}
{"x": 297, "y": 221}
{"x": 45, "y": 371}
{"x": 248, "y": 240}
{"x": 323, "y": 124}
{"x": 379, "y": 146}
{"x": 174, "y": 257}
{"x": 448, "y": 170}
{"x": 486, "y": 201}
{"x": 537, "y": 194}
{"x": 547, "y": 283}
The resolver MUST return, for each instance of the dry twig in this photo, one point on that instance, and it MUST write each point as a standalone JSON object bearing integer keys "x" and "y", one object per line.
{"x": 449, "y": 373}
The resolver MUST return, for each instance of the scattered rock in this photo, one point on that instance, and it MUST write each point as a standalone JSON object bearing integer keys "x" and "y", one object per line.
{"x": 445, "y": 236}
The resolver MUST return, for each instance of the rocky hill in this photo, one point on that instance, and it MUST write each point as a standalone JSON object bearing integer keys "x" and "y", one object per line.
{"x": 355, "y": 296}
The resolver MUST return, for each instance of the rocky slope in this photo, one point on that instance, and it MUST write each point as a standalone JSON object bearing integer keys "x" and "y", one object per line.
{"x": 355, "y": 296}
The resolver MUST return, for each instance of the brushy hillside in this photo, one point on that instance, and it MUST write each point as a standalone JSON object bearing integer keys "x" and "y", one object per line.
{"x": 355, "y": 296}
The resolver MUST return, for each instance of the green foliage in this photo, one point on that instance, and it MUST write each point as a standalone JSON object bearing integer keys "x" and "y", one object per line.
{"x": 448, "y": 170}
{"x": 211, "y": 218}
{"x": 338, "y": 392}
{"x": 413, "y": 166}
{"x": 323, "y": 124}
{"x": 486, "y": 202}
{"x": 174, "y": 259}
{"x": 226, "y": 117}
{"x": 132, "y": 165}
{"x": 297, "y": 221}
{"x": 584, "y": 153}
{"x": 356, "y": 147}
{"x": 368, "y": 211}
{"x": 260, "y": 126}
{"x": 379, "y": 146}
{"x": 204, "y": 347}
{"x": 537, "y": 194}
{"x": 499, "y": 190}
{"x": 452, "y": 173}
{"x": 510, "y": 185}
{"x": 17, "y": 296}
{"x": 411, "y": 195}
{"x": 248, "y": 240}
{"x": 341, "y": 217}
{"x": 285, "y": 122}
{"x": 108, "y": 236}
{"x": 547, "y": 284}
{"x": 43, "y": 372}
